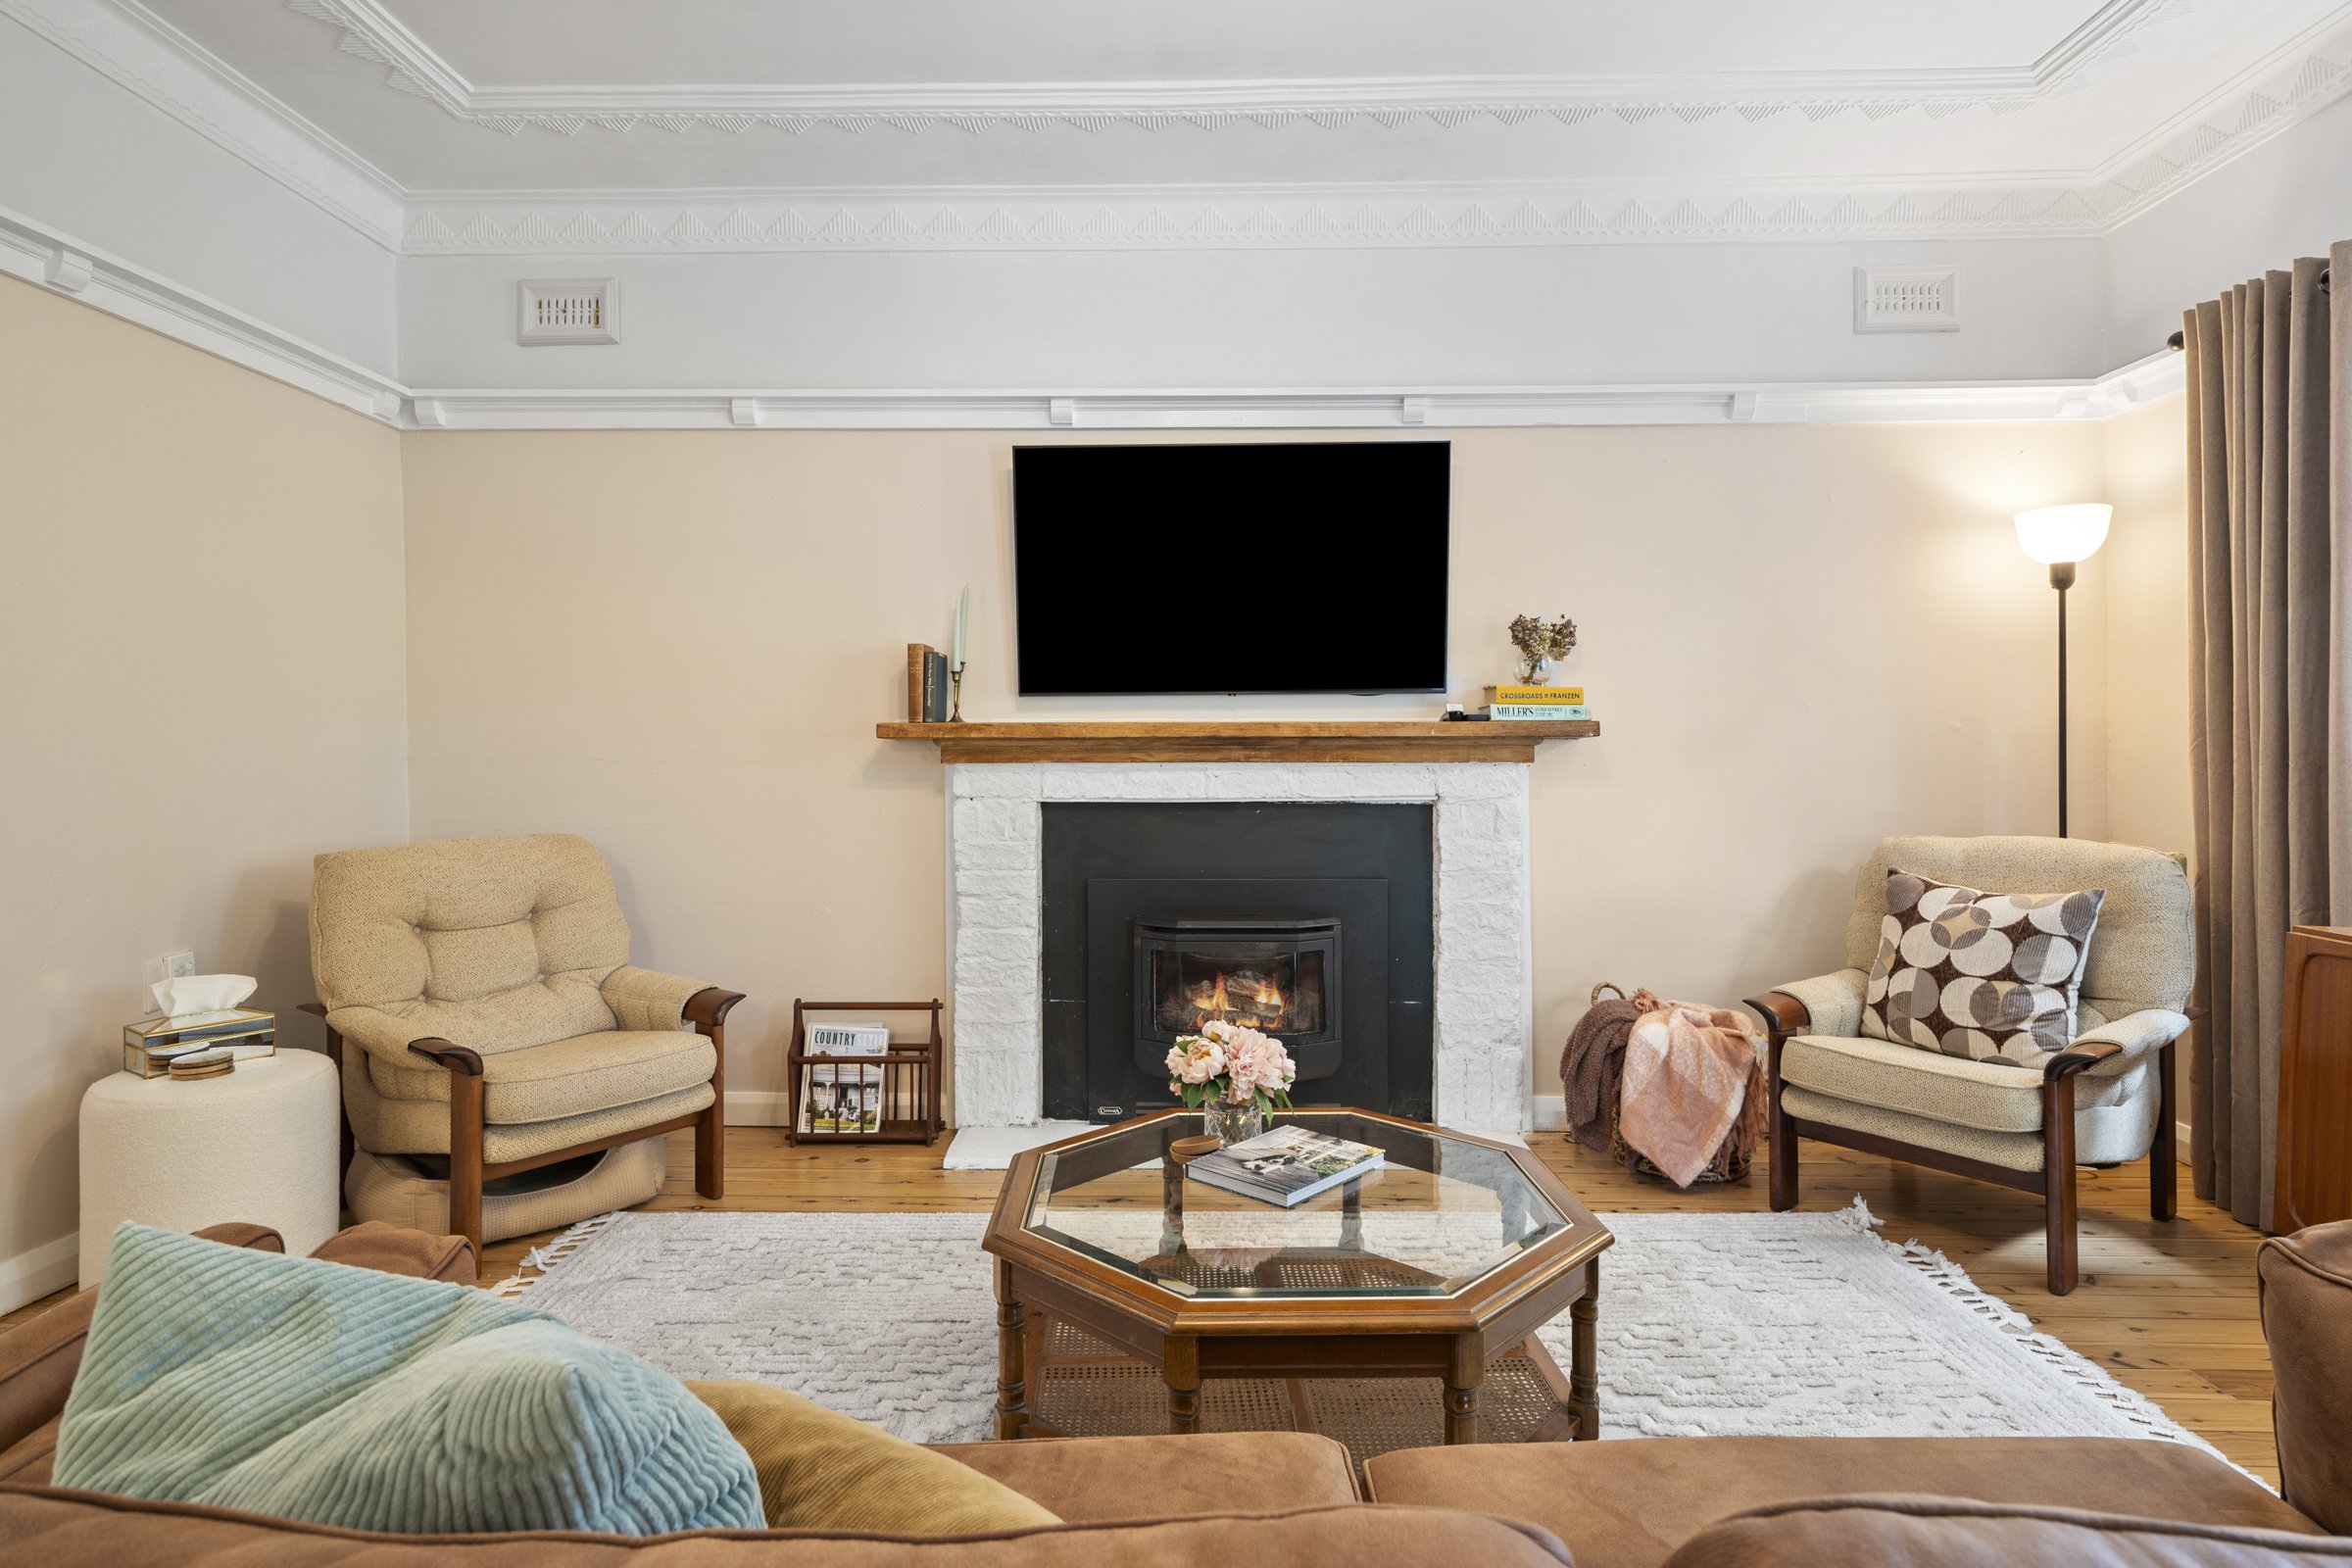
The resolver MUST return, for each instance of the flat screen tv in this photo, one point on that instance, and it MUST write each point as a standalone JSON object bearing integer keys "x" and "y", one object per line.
{"x": 1268, "y": 567}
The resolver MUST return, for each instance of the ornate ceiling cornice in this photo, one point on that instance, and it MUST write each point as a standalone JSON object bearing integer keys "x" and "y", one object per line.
{"x": 370, "y": 31}
{"x": 1265, "y": 217}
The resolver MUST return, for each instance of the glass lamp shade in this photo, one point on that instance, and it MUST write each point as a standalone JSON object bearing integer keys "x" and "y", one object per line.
{"x": 2054, "y": 534}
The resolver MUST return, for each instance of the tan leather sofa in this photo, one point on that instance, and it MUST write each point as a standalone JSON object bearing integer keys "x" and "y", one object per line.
{"x": 1288, "y": 1497}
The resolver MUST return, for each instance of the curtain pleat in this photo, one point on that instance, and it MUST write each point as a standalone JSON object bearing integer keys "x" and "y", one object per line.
{"x": 2268, "y": 639}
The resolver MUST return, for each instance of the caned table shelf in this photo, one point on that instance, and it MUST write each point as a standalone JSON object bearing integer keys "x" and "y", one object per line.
{"x": 1229, "y": 741}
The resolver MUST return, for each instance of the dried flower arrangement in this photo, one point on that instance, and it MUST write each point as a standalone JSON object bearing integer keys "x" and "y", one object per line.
{"x": 1539, "y": 640}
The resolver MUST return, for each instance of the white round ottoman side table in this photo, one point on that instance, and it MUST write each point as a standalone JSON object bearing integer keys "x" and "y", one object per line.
{"x": 259, "y": 1144}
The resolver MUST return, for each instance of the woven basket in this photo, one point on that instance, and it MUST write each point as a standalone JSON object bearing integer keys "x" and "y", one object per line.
{"x": 1724, "y": 1167}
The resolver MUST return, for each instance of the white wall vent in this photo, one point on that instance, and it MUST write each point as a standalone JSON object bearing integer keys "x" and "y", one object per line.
{"x": 1906, "y": 298}
{"x": 569, "y": 310}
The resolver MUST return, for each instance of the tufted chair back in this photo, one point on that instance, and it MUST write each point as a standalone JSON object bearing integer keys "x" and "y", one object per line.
{"x": 2144, "y": 952}
{"x": 500, "y": 942}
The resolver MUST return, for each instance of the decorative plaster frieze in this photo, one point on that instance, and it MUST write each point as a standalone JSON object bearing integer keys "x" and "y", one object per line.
{"x": 1243, "y": 218}
{"x": 129, "y": 44}
{"x": 369, "y": 30}
{"x": 39, "y": 254}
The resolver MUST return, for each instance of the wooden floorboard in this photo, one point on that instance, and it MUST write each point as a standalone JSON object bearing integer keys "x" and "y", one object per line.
{"x": 2168, "y": 1310}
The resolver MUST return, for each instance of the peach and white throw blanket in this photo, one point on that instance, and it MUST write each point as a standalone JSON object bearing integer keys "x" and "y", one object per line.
{"x": 1690, "y": 1071}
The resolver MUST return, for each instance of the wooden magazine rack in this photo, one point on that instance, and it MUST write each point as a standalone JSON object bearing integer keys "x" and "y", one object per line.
{"x": 910, "y": 1077}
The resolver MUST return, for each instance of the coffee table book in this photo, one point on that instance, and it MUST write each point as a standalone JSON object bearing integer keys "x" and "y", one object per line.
{"x": 1284, "y": 1166}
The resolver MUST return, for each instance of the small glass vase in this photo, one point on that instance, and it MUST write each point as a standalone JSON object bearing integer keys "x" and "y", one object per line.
{"x": 1232, "y": 1125}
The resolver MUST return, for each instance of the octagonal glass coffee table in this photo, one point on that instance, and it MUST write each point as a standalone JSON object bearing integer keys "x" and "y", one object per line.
{"x": 1447, "y": 1259}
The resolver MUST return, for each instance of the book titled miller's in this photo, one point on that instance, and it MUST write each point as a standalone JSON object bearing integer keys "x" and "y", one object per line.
{"x": 1287, "y": 1166}
{"x": 1547, "y": 713}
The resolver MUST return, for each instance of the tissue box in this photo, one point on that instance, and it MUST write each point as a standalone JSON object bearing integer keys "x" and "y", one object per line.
{"x": 148, "y": 1048}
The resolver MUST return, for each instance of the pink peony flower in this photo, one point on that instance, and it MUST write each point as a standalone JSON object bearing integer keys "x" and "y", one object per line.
{"x": 1196, "y": 1059}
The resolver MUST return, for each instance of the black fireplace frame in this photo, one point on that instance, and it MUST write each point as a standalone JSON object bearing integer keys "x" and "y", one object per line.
{"x": 1315, "y": 1053}
{"x": 1106, "y": 863}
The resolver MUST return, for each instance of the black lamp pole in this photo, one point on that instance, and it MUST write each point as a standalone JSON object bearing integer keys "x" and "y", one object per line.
{"x": 2062, "y": 578}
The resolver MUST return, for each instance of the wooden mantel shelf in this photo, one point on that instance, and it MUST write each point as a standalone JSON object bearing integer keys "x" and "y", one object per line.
{"x": 1420, "y": 740}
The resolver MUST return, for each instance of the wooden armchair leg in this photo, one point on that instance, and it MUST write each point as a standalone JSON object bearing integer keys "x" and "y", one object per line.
{"x": 465, "y": 1156}
{"x": 2164, "y": 1156}
{"x": 711, "y": 1150}
{"x": 2058, "y": 1182}
{"x": 1782, "y": 1151}
{"x": 707, "y": 1010}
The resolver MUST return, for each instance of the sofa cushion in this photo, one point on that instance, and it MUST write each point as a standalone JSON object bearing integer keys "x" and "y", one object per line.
{"x": 1987, "y": 977}
{"x": 822, "y": 1470}
{"x": 497, "y": 943}
{"x": 2306, "y": 1282}
{"x": 346, "y": 1395}
{"x": 566, "y": 1077}
{"x": 81, "y": 1530}
{"x": 1631, "y": 1505}
{"x": 1884, "y": 1532}
{"x": 1098, "y": 1480}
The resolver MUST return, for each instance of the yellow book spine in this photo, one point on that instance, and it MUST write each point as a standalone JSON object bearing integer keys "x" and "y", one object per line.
{"x": 1565, "y": 696}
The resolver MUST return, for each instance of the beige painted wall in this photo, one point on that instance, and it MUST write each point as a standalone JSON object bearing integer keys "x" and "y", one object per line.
{"x": 2146, "y": 569}
{"x": 1798, "y": 639}
{"x": 203, "y": 636}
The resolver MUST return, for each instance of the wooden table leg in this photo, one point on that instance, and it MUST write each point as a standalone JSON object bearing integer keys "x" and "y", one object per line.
{"x": 1352, "y": 1215}
{"x": 1013, "y": 1387}
{"x": 1584, "y": 1373}
{"x": 1465, "y": 1372}
{"x": 1181, "y": 1366}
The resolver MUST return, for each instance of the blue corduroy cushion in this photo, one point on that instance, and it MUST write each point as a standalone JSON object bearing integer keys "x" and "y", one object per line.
{"x": 346, "y": 1397}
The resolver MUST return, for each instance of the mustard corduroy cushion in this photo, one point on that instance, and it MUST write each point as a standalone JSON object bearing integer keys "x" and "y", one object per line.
{"x": 822, "y": 1470}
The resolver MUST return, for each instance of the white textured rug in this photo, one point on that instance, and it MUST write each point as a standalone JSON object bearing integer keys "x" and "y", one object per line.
{"x": 1714, "y": 1324}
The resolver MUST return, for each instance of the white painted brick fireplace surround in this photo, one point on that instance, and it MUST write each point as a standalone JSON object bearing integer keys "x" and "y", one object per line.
{"x": 1483, "y": 1030}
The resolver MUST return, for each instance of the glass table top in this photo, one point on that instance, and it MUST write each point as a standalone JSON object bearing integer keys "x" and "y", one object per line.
{"x": 1443, "y": 1212}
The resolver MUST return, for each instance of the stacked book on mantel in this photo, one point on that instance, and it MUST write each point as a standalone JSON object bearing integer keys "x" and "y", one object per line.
{"x": 1287, "y": 1166}
{"x": 1523, "y": 702}
{"x": 926, "y": 684}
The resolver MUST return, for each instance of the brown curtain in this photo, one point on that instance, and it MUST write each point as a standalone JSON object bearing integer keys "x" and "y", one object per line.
{"x": 2270, "y": 556}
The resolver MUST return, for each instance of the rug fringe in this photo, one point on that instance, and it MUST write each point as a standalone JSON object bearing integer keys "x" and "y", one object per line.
{"x": 551, "y": 1256}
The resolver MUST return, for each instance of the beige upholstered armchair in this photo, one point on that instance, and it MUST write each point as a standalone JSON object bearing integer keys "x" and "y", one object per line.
{"x": 2105, "y": 1099}
{"x": 487, "y": 983}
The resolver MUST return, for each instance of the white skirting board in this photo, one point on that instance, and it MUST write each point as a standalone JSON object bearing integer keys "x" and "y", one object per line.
{"x": 48, "y": 1267}
{"x": 757, "y": 1107}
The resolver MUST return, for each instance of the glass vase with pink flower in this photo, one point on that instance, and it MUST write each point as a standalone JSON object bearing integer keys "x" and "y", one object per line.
{"x": 1234, "y": 1076}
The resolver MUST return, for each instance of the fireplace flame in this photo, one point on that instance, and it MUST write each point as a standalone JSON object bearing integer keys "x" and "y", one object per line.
{"x": 1266, "y": 1008}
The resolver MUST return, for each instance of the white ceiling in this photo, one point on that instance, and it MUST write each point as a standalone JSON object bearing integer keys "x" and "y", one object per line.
{"x": 449, "y": 98}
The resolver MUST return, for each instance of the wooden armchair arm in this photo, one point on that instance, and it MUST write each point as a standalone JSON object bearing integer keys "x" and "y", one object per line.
{"x": 709, "y": 1007}
{"x": 456, "y": 1057}
{"x": 1782, "y": 1014}
{"x": 2078, "y": 1058}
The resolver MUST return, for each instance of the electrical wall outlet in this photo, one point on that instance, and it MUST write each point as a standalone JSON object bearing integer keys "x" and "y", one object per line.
{"x": 171, "y": 966}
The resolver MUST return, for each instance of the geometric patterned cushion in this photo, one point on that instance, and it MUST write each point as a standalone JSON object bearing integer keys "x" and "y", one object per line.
{"x": 1988, "y": 976}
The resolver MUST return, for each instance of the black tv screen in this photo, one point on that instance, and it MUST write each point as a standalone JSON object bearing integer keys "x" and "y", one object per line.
{"x": 1273, "y": 567}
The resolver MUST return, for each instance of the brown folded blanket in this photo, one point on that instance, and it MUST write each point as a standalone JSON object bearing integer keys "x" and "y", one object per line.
{"x": 1593, "y": 1061}
{"x": 1689, "y": 1079}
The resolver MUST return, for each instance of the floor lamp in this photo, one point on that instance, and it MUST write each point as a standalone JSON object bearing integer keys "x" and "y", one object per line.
{"x": 2060, "y": 538}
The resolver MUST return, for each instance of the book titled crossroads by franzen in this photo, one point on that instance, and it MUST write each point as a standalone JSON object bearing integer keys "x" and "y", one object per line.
{"x": 1287, "y": 1166}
